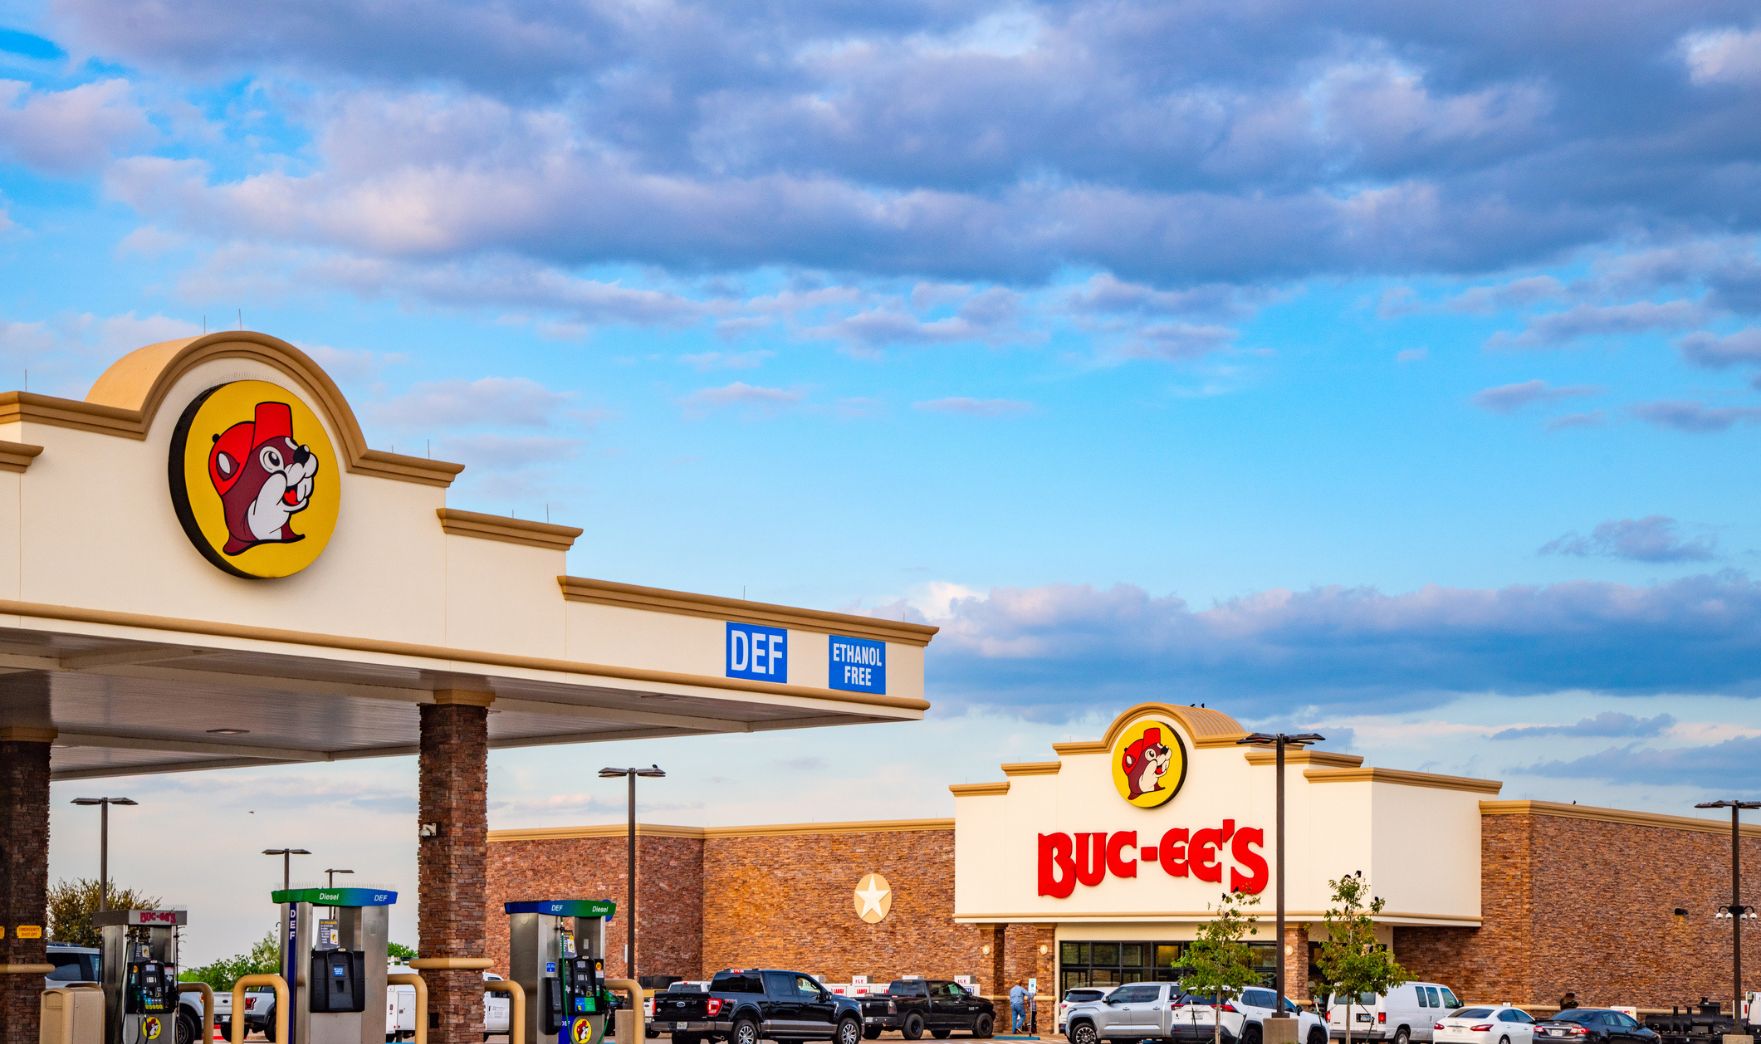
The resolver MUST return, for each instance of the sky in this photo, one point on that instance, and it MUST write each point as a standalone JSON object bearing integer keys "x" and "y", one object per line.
{"x": 1384, "y": 369}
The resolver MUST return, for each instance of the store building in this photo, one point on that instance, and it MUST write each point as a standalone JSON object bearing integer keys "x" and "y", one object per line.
{"x": 1098, "y": 865}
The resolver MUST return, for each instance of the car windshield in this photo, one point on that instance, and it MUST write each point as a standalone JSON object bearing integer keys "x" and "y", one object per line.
{"x": 1083, "y": 995}
{"x": 1575, "y": 1015}
{"x": 1362, "y": 1000}
{"x": 1470, "y": 1013}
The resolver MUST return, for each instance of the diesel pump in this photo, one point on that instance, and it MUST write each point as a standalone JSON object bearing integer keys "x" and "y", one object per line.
{"x": 556, "y": 952}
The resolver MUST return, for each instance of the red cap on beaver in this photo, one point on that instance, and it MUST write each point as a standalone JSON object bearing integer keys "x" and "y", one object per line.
{"x": 273, "y": 420}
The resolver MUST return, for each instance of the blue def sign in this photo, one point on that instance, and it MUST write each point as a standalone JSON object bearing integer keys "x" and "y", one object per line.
{"x": 857, "y": 664}
{"x": 758, "y": 653}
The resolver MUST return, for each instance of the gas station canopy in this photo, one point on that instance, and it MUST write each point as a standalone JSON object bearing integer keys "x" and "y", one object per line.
{"x": 210, "y": 568}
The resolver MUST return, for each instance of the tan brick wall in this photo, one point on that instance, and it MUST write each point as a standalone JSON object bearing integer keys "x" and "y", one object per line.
{"x": 787, "y": 901}
{"x": 1588, "y": 906}
{"x": 669, "y": 908}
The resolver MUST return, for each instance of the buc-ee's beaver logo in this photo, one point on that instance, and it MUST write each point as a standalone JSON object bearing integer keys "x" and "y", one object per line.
{"x": 1149, "y": 763}
{"x": 254, "y": 479}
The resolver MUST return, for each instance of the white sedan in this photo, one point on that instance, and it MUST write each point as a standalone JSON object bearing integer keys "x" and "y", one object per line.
{"x": 1490, "y": 1024}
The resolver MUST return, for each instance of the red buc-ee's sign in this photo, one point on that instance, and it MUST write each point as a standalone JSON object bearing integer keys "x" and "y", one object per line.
{"x": 1067, "y": 860}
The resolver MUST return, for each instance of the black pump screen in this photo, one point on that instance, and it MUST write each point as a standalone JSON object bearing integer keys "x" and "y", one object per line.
{"x": 339, "y": 981}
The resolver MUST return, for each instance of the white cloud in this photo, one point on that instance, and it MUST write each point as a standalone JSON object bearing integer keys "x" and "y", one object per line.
{"x": 66, "y": 132}
{"x": 1724, "y": 56}
{"x": 741, "y": 394}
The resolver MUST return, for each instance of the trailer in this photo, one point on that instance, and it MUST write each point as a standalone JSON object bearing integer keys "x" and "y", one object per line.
{"x": 1703, "y": 1023}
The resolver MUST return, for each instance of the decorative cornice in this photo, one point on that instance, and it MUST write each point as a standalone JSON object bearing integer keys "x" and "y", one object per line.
{"x": 247, "y": 632}
{"x": 1208, "y": 728}
{"x": 659, "y": 600}
{"x": 620, "y": 830}
{"x": 1032, "y": 768}
{"x": 1614, "y": 815}
{"x": 17, "y": 456}
{"x": 978, "y": 789}
{"x": 1401, "y": 777}
{"x": 509, "y": 530}
{"x": 463, "y": 698}
{"x": 126, "y": 398}
{"x": 1318, "y": 758}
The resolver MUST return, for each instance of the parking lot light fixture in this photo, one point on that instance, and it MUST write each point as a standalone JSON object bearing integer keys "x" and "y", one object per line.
{"x": 1736, "y": 911}
{"x": 1278, "y": 741}
{"x": 286, "y": 855}
{"x": 104, "y": 804}
{"x": 651, "y": 772}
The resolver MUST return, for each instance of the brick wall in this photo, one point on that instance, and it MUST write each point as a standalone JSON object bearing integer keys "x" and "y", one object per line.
{"x": 786, "y": 900}
{"x": 669, "y": 908}
{"x": 1587, "y": 905}
{"x": 24, "y": 880}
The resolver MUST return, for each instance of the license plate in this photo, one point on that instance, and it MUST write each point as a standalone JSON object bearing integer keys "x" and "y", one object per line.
{"x": 1363, "y": 1016}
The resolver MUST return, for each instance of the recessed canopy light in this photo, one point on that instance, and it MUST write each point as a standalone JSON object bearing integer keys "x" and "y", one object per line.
{"x": 227, "y": 732}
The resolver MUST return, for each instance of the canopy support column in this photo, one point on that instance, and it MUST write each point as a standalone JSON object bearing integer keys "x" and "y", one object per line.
{"x": 24, "y": 877}
{"x": 451, "y": 860}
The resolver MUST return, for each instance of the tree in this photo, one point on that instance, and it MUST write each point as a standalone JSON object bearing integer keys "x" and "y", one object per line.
{"x": 1218, "y": 963}
{"x": 1351, "y": 961}
{"x": 263, "y": 959}
{"x": 72, "y": 904}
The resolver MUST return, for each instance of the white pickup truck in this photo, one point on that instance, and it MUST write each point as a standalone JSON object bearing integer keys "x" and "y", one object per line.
{"x": 1162, "y": 1011}
{"x": 400, "y": 1009}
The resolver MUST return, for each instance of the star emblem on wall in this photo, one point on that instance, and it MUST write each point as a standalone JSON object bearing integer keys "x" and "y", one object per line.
{"x": 874, "y": 897}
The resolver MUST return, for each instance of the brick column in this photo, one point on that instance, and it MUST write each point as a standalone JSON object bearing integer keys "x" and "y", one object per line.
{"x": 1022, "y": 961}
{"x": 24, "y": 874}
{"x": 1296, "y": 961}
{"x": 454, "y": 775}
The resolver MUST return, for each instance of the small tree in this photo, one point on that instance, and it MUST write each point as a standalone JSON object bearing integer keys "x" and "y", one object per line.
{"x": 1351, "y": 961}
{"x": 400, "y": 953}
{"x": 1218, "y": 963}
{"x": 72, "y": 904}
{"x": 264, "y": 959}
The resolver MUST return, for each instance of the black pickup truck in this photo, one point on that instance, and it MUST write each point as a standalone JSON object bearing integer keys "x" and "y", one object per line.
{"x": 744, "y": 1007}
{"x": 914, "y": 1005}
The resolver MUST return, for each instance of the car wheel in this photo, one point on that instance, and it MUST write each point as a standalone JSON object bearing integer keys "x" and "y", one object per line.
{"x": 189, "y": 1028}
{"x": 1083, "y": 1033}
{"x": 913, "y": 1027}
{"x": 1250, "y": 1033}
{"x": 745, "y": 1032}
{"x": 1402, "y": 1036}
{"x": 983, "y": 1026}
{"x": 1503, "y": 1040}
{"x": 1317, "y": 1036}
{"x": 849, "y": 1031}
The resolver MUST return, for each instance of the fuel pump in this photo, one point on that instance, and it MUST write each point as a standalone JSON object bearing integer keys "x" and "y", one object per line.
{"x": 556, "y": 952}
{"x": 333, "y": 956}
{"x": 138, "y": 967}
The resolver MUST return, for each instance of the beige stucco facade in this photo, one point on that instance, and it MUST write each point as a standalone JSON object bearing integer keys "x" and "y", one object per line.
{"x": 104, "y": 602}
{"x": 1415, "y": 836}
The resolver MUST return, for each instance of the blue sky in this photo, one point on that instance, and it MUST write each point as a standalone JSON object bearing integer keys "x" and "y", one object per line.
{"x": 1385, "y": 369}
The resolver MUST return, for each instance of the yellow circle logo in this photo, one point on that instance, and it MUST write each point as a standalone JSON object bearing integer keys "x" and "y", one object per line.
{"x": 583, "y": 1031}
{"x": 874, "y": 898}
{"x": 150, "y": 1027}
{"x": 254, "y": 479}
{"x": 1149, "y": 763}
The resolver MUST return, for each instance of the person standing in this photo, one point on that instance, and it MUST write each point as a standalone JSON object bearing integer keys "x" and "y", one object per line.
{"x": 1032, "y": 1021}
{"x": 1017, "y": 1007}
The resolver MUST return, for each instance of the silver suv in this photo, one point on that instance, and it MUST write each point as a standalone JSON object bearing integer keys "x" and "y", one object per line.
{"x": 1138, "y": 1011}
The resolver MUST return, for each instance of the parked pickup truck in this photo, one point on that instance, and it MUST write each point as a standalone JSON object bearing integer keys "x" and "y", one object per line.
{"x": 744, "y": 1007}
{"x": 1163, "y": 1011}
{"x": 938, "y": 1005}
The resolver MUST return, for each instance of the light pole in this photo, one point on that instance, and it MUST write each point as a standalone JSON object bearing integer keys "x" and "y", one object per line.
{"x": 1278, "y": 741}
{"x": 286, "y": 855}
{"x": 104, "y": 804}
{"x": 1736, "y": 911}
{"x": 330, "y": 876}
{"x": 652, "y": 772}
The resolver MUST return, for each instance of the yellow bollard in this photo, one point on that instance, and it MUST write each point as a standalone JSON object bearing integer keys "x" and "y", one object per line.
{"x": 638, "y": 1021}
{"x": 516, "y": 1006}
{"x": 421, "y": 1002}
{"x": 238, "y": 1004}
{"x": 207, "y": 993}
